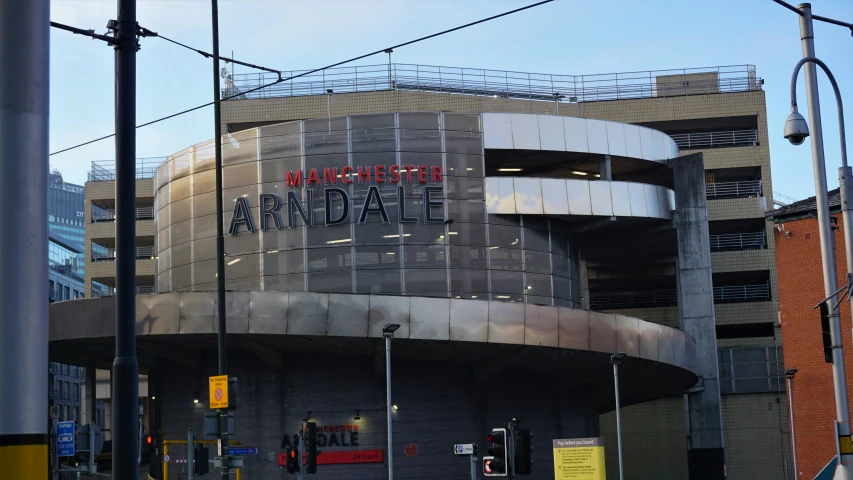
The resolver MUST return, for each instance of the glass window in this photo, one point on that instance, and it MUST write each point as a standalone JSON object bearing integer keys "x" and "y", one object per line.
{"x": 283, "y": 262}
{"x": 374, "y": 140}
{"x": 468, "y": 257}
{"x": 504, "y": 236}
{"x": 562, "y": 288}
{"x": 467, "y": 234}
{"x": 469, "y": 281}
{"x": 377, "y": 257}
{"x": 287, "y": 283}
{"x": 323, "y": 259}
{"x": 465, "y": 188}
{"x": 561, "y": 266}
{"x": 463, "y": 122}
{"x": 422, "y": 281}
{"x": 425, "y": 256}
{"x": 505, "y": 259}
{"x": 469, "y": 211}
{"x": 420, "y": 141}
{"x": 377, "y": 281}
{"x": 463, "y": 142}
{"x": 538, "y": 285}
{"x": 325, "y": 142}
{"x": 332, "y": 282}
{"x": 537, "y": 262}
{"x": 750, "y": 370}
{"x": 507, "y": 282}
{"x": 535, "y": 239}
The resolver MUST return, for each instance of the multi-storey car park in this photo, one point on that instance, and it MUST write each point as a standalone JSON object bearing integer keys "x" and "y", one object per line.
{"x": 521, "y": 228}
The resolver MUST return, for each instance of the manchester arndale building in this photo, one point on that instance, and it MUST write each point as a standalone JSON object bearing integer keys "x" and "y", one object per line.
{"x": 519, "y": 232}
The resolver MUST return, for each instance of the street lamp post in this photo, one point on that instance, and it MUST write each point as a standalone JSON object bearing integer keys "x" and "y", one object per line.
{"x": 388, "y": 332}
{"x": 616, "y": 359}
{"x": 789, "y": 379}
{"x": 796, "y": 131}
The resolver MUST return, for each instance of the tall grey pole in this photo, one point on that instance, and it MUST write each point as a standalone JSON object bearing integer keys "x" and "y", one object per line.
{"x": 125, "y": 373}
{"x": 793, "y": 433}
{"x": 618, "y": 417}
{"x": 388, "y": 405}
{"x": 826, "y": 237}
{"x": 220, "y": 240}
{"x": 190, "y": 455}
{"x": 24, "y": 53}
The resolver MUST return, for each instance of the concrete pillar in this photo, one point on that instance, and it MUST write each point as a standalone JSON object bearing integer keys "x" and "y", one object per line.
{"x": 89, "y": 407}
{"x": 706, "y": 458}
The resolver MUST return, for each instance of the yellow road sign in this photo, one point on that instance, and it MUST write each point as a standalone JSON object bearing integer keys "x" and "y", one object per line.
{"x": 219, "y": 392}
{"x": 579, "y": 459}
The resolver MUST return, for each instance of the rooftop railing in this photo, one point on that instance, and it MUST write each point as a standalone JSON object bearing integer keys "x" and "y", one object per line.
{"x": 141, "y": 289}
{"x": 501, "y": 83}
{"x": 110, "y": 253}
{"x": 742, "y": 293}
{"x": 743, "y": 189}
{"x": 738, "y": 241}
{"x": 109, "y": 214}
{"x": 105, "y": 170}
{"x": 733, "y": 138}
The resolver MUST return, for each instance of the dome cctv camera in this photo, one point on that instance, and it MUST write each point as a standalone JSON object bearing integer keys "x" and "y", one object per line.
{"x": 796, "y": 128}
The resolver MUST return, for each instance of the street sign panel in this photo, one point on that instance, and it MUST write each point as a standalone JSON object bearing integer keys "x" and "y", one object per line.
{"x": 579, "y": 458}
{"x": 243, "y": 451}
{"x": 463, "y": 449}
{"x": 65, "y": 439}
{"x": 218, "y": 392}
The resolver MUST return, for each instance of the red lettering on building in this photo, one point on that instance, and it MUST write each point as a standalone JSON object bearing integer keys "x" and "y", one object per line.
{"x": 422, "y": 174}
{"x": 313, "y": 177}
{"x": 363, "y": 174}
{"x": 379, "y": 173}
{"x": 330, "y": 176}
{"x": 395, "y": 173}
{"x": 409, "y": 169}
{"x": 345, "y": 174}
{"x": 436, "y": 174}
{"x": 294, "y": 180}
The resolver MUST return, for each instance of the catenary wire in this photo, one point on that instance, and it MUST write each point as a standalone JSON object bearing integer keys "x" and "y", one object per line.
{"x": 310, "y": 71}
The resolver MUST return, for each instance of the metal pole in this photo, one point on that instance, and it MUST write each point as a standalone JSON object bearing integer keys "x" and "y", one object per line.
{"x": 826, "y": 236}
{"x": 388, "y": 405}
{"x": 474, "y": 464}
{"x": 618, "y": 418}
{"x": 222, "y": 444}
{"x": 125, "y": 372}
{"x": 190, "y": 455}
{"x": 24, "y": 98}
{"x": 301, "y": 449}
{"x": 793, "y": 434}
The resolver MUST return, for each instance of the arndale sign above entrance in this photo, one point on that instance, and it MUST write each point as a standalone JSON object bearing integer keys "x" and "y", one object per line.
{"x": 271, "y": 203}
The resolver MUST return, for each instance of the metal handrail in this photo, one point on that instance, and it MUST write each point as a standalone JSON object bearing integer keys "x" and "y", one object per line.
{"x": 743, "y": 189}
{"x": 110, "y": 253}
{"x": 731, "y": 138}
{"x": 742, "y": 293}
{"x": 738, "y": 241}
{"x": 142, "y": 289}
{"x": 105, "y": 171}
{"x": 109, "y": 214}
{"x": 501, "y": 83}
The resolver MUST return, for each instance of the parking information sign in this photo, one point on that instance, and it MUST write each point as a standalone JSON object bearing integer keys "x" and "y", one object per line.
{"x": 463, "y": 449}
{"x": 65, "y": 439}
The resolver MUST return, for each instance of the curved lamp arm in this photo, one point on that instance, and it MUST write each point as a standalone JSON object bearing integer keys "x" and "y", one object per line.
{"x": 837, "y": 99}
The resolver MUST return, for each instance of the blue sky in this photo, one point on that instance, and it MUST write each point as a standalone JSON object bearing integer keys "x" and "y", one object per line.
{"x": 564, "y": 37}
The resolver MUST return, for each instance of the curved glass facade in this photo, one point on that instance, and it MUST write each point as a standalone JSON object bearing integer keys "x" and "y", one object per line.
{"x": 427, "y": 170}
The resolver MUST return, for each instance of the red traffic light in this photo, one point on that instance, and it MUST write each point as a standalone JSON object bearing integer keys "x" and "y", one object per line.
{"x": 490, "y": 438}
{"x": 149, "y": 439}
{"x": 293, "y": 454}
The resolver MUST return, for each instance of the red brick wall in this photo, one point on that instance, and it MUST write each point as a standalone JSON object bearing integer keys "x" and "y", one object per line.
{"x": 800, "y": 277}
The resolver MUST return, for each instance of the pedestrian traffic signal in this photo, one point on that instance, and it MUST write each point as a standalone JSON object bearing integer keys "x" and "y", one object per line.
{"x": 522, "y": 460}
{"x": 311, "y": 446}
{"x": 201, "y": 462}
{"x": 497, "y": 465}
{"x": 293, "y": 460}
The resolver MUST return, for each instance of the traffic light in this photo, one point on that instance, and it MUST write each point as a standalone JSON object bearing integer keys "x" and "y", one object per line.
{"x": 293, "y": 460}
{"x": 497, "y": 465}
{"x": 522, "y": 460}
{"x": 311, "y": 446}
{"x": 201, "y": 463}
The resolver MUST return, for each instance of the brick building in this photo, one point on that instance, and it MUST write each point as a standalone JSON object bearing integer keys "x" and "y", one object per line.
{"x": 798, "y": 262}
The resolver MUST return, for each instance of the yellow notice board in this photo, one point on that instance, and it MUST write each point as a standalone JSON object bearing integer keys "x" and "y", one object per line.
{"x": 579, "y": 459}
{"x": 219, "y": 392}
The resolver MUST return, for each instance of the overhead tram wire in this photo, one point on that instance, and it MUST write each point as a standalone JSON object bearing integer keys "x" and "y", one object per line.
{"x": 280, "y": 80}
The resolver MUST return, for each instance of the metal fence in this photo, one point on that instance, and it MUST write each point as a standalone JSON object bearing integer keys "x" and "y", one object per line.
{"x": 105, "y": 170}
{"x": 738, "y": 241}
{"x": 501, "y": 83}
{"x": 110, "y": 253}
{"x": 142, "y": 289}
{"x": 109, "y": 214}
{"x": 744, "y": 189}
{"x": 668, "y": 297}
{"x": 732, "y": 138}
{"x": 742, "y": 293}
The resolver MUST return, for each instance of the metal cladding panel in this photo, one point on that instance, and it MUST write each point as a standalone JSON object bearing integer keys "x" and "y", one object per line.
{"x": 679, "y": 351}
{"x": 673, "y": 147}
{"x": 577, "y": 192}
{"x": 652, "y": 204}
{"x": 197, "y": 312}
{"x": 621, "y": 199}
{"x": 666, "y": 345}
{"x": 469, "y": 320}
{"x": 528, "y": 195}
{"x": 500, "y": 195}
{"x": 541, "y": 325}
{"x": 388, "y": 309}
{"x": 637, "y": 194}
{"x": 506, "y": 322}
{"x": 616, "y": 139}
{"x": 575, "y": 134}
{"x": 554, "y": 198}
{"x": 628, "y": 335}
{"x": 602, "y": 332}
{"x": 663, "y": 200}
{"x": 236, "y": 313}
{"x": 647, "y": 142}
{"x": 596, "y": 136}
{"x": 164, "y": 309}
{"x": 599, "y": 194}
{"x": 661, "y": 147}
{"x": 551, "y": 133}
{"x": 497, "y": 130}
{"x": 143, "y": 325}
{"x": 649, "y": 338}
{"x": 307, "y": 313}
{"x": 574, "y": 328}
{"x": 430, "y": 318}
{"x": 525, "y": 132}
{"x": 633, "y": 143}
{"x": 348, "y": 315}
{"x": 266, "y": 312}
